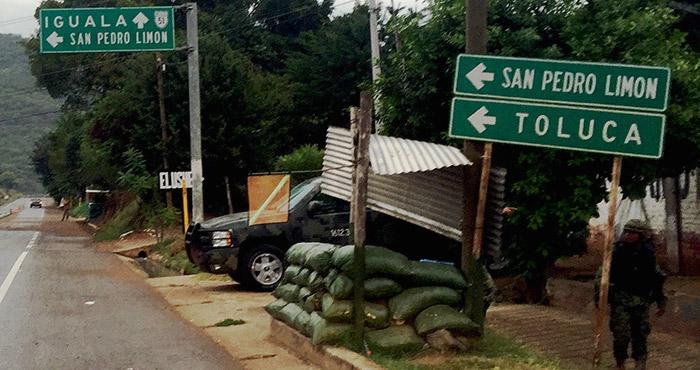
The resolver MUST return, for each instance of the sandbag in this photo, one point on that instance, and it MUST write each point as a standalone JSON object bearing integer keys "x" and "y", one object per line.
{"x": 301, "y": 323}
{"x": 326, "y": 301}
{"x": 289, "y": 273}
{"x": 378, "y": 261}
{"x": 315, "y": 281}
{"x": 444, "y": 317}
{"x": 435, "y": 274}
{"x": 332, "y": 334}
{"x": 376, "y": 315}
{"x": 342, "y": 256}
{"x": 337, "y": 311}
{"x": 296, "y": 255}
{"x": 314, "y": 320}
{"x": 381, "y": 288}
{"x": 313, "y": 302}
{"x": 288, "y": 292}
{"x": 302, "y": 278}
{"x": 328, "y": 280}
{"x": 304, "y": 292}
{"x": 274, "y": 308}
{"x": 394, "y": 341}
{"x": 341, "y": 287}
{"x": 414, "y": 300}
{"x": 318, "y": 258}
{"x": 290, "y": 312}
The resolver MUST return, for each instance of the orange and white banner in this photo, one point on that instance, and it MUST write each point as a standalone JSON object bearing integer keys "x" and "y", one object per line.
{"x": 268, "y": 199}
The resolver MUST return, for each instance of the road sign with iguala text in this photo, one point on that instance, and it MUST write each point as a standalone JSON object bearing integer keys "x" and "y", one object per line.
{"x": 87, "y": 30}
{"x": 635, "y": 134}
{"x": 607, "y": 85}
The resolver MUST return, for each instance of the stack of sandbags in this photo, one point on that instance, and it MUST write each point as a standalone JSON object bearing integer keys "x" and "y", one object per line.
{"x": 405, "y": 300}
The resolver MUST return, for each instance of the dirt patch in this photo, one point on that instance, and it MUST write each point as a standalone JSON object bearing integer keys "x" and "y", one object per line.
{"x": 205, "y": 302}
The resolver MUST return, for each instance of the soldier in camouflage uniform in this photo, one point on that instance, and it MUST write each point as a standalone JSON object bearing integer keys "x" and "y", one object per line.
{"x": 635, "y": 282}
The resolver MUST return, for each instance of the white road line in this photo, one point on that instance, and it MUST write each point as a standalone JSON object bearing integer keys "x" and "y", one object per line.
{"x": 31, "y": 242}
{"x": 11, "y": 276}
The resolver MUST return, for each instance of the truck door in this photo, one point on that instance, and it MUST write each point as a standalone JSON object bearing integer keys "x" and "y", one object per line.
{"x": 328, "y": 220}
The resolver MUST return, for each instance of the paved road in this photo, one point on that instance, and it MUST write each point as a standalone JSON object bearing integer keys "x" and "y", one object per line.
{"x": 70, "y": 307}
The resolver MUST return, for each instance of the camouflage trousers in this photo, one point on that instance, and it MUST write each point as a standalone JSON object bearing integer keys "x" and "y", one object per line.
{"x": 629, "y": 322}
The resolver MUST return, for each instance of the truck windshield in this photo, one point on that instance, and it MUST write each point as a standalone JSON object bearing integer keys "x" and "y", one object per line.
{"x": 300, "y": 191}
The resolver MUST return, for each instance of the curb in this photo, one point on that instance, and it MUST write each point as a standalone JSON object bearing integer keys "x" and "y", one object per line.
{"x": 322, "y": 356}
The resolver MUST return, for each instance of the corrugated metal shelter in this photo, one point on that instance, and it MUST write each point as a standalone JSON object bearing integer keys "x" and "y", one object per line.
{"x": 415, "y": 181}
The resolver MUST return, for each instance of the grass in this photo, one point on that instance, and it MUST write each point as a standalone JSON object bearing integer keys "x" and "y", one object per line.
{"x": 174, "y": 257}
{"x": 79, "y": 211}
{"x": 229, "y": 322}
{"x": 120, "y": 223}
{"x": 494, "y": 351}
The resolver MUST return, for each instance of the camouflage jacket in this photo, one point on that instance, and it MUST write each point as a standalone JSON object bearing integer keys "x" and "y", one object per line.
{"x": 634, "y": 275}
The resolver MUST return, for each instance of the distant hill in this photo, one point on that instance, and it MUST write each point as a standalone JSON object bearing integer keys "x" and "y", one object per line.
{"x": 18, "y": 132}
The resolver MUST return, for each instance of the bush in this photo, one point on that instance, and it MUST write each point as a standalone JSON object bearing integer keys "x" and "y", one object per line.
{"x": 306, "y": 158}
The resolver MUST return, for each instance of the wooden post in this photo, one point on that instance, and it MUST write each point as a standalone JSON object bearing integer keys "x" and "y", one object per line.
{"x": 481, "y": 206}
{"x": 607, "y": 259}
{"x": 361, "y": 139}
{"x": 228, "y": 195}
{"x": 476, "y": 12}
{"x": 185, "y": 207}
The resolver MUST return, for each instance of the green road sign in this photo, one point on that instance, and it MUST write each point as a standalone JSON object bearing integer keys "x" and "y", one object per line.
{"x": 586, "y": 129}
{"x": 566, "y": 82}
{"x": 106, "y": 29}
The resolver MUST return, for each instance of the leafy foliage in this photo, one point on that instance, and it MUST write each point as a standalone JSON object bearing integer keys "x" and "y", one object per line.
{"x": 306, "y": 158}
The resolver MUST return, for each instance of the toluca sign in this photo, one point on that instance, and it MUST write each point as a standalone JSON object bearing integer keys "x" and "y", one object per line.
{"x": 576, "y": 128}
{"x": 563, "y": 82}
{"x": 173, "y": 180}
{"x": 106, "y": 29}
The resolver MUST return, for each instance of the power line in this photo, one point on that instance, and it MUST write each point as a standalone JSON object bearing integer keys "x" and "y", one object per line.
{"x": 29, "y": 116}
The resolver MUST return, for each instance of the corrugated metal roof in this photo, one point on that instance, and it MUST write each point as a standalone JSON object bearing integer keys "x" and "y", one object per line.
{"x": 429, "y": 199}
{"x": 392, "y": 155}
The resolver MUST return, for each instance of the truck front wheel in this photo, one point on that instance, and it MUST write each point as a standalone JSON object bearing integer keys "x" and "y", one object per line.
{"x": 262, "y": 267}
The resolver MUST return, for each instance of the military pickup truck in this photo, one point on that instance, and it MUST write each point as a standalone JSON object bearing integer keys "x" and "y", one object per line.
{"x": 254, "y": 255}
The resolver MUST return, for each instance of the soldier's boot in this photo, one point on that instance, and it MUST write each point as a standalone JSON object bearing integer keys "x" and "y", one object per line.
{"x": 619, "y": 364}
{"x": 640, "y": 364}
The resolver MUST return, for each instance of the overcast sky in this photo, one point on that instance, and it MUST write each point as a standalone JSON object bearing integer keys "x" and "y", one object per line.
{"x": 17, "y": 16}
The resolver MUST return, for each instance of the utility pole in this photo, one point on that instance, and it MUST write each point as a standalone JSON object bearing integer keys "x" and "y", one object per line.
{"x": 476, "y": 11}
{"x": 376, "y": 69}
{"x": 163, "y": 126}
{"x": 195, "y": 116}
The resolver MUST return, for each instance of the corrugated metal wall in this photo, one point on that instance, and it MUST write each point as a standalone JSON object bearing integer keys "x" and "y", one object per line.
{"x": 431, "y": 199}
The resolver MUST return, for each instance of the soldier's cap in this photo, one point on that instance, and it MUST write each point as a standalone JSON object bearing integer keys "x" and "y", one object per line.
{"x": 638, "y": 226}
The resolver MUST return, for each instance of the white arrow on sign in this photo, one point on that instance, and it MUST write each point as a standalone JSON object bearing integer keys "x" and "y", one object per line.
{"x": 479, "y": 119}
{"x": 477, "y": 76}
{"x": 140, "y": 19}
{"x": 54, "y": 39}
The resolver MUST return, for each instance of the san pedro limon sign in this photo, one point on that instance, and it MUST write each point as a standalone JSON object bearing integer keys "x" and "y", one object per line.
{"x": 106, "y": 29}
{"x": 563, "y": 82}
{"x": 636, "y": 134}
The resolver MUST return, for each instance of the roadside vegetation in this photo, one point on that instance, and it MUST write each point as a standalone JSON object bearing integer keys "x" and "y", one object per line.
{"x": 173, "y": 256}
{"x": 492, "y": 352}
